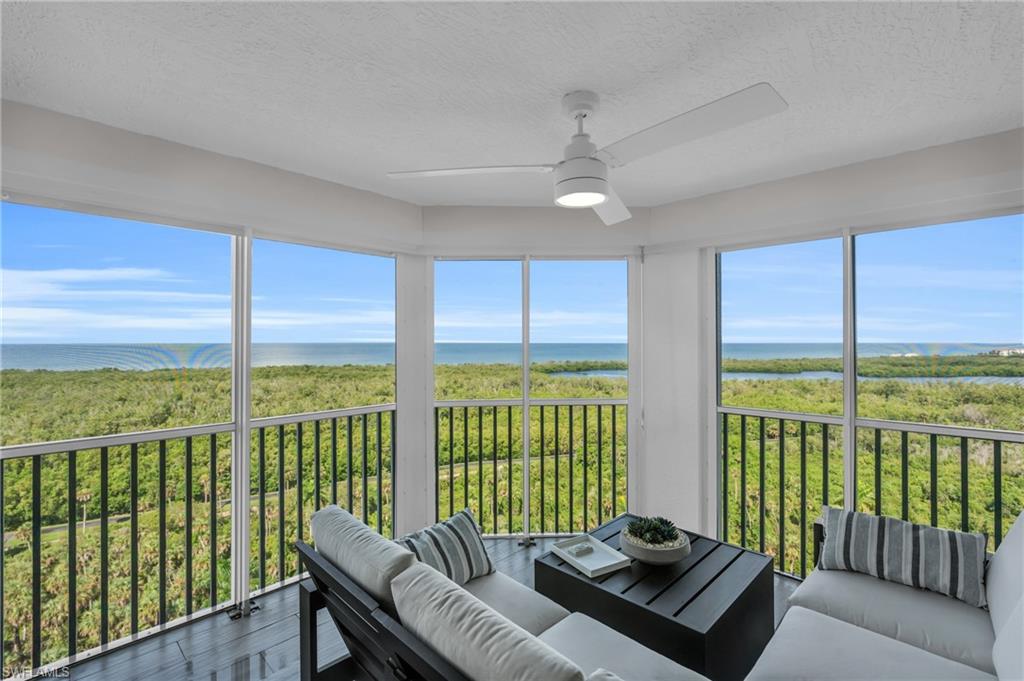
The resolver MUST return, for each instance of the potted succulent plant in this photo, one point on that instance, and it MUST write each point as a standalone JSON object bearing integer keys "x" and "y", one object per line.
{"x": 654, "y": 540}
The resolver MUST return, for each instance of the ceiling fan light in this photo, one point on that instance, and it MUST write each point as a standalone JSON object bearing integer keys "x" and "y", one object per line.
{"x": 581, "y": 200}
{"x": 581, "y": 192}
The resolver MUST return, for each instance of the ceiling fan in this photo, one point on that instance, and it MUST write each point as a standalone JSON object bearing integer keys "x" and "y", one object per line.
{"x": 581, "y": 179}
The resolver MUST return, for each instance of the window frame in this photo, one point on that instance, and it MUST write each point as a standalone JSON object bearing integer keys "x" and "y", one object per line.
{"x": 240, "y": 424}
{"x": 848, "y": 420}
{"x": 525, "y": 401}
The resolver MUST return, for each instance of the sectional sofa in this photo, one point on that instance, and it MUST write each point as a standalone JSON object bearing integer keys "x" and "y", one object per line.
{"x": 403, "y": 619}
{"x": 847, "y": 625}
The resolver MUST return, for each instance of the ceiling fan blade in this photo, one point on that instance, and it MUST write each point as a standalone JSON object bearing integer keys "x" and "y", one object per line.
{"x": 613, "y": 210}
{"x": 750, "y": 104}
{"x": 480, "y": 170}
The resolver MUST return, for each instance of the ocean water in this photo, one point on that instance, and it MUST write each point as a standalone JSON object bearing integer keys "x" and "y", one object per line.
{"x": 143, "y": 356}
{"x": 837, "y": 376}
{"x": 817, "y": 350}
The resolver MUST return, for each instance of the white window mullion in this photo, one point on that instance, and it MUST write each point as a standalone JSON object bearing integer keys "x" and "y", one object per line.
{"x": 713, "y": 515}
{"x": 241, "y": 368}
{"x": 635, "y": 440}
{"x": 849, "y": 374}
{"x": 526, "y": 401}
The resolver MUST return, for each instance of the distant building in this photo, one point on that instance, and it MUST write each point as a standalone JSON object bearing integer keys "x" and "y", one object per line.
{"x": 1008, "y": 352}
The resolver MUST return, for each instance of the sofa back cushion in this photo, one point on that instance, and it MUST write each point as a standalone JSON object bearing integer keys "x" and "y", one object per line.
{"x": 603, "y": 675}
{"x": 944, "y": 561}
{"x": 1004, "y": 582}
{"x": 370, "y": 560}
{"x": 477, "y": 640}
{"x": 1008, "y": 651}
{"x": 453, "y": 547}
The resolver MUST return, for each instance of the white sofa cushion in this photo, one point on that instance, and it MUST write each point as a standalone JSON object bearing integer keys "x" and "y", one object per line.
{"x": 369, "y": 559}
{"x": 937, "y": 623}
{"x": 603, "y": 675}
{"x": 452, "y": 546}
{"x": 809, "y": 645}
{"x": 1005, "y": 576}
{"x": 945, "y": 561}
{"x": 594, "y": 646}
{"x": 1008, "y": 652}
{"x": 481, "y": 643}
{"x": 532, "y": 611}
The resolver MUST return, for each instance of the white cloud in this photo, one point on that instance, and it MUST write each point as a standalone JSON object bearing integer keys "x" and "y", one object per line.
{"x": 35, "y": 286}
{"x": 906, "y": 276}
{"x": 792, "y": 271}
{"x": 476, "y": 319}
{"x": 546, "y": 319}
{"x": 556, "y": 318}
{"x": 277, "y": 319}
{"x": 361, "y": 301}
{"x": 809, "y": 322}
{"x": 37, "y": 303}
{"x": 56, "y": 322}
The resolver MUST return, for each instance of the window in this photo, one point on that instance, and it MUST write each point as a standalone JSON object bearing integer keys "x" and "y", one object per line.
{"x": 478, "y": 329}
{"x": 563, "y": 443}
{"x": 781, "y": 313}
{"x": 940, "y": 340}
{"x": 940, "y": 324}
{"x": 939, "y": 318}
{"x": 110, "y": 326}
{"x": 323, "y": 329}
{"x": 578, "y": 328}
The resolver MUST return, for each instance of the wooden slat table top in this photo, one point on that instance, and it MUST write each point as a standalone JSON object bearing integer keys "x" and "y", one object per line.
{"x": 694, "y": 592}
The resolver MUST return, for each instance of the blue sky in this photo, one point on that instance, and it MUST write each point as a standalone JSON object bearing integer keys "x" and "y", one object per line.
{"x": 75, "y": 278}
{"x": 955, "y": 283}
{"x": 572, "y": 301}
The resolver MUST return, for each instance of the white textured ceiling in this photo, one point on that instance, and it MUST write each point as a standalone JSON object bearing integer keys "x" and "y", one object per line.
{"x": 346, "y": 91}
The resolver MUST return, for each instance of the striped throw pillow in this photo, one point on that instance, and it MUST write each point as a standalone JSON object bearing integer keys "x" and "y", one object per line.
{"x": 452, "y": 547}
{"x": 944, "y": 561}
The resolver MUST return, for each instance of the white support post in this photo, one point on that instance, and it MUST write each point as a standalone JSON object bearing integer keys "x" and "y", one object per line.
{"x": 526, "y": 540}
{"x": 415, "y": 499}
{"x": 849, "y": 374}
{"x": 634, "y": 376}
{"x": 241, "y": 365}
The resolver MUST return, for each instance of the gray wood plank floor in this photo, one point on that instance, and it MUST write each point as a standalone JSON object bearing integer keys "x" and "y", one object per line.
{"x": 265, "y": 646}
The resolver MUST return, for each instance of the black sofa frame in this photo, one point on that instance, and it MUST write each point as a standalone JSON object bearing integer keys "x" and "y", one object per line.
{"x": 377, "y": 642}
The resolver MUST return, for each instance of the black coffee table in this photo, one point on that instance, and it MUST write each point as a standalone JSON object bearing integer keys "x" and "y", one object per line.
{"x": 711, "y": 611}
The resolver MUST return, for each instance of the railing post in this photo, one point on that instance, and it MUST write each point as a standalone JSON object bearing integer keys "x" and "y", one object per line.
{"x": 241, "y": 366}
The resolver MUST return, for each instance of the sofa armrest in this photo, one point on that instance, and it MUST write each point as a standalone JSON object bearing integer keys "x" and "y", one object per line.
{"x": 819, "y": 539}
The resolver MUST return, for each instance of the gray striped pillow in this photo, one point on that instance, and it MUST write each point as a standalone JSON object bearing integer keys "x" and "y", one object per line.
{"x": 944, "y": 561}
{"x": 452, "y": 547}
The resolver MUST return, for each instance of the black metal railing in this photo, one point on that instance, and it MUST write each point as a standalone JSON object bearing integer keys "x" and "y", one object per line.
{"x": 109, "y": 538}
{"x": 942, "y": 476}
{"x": 778, "y": 469}
{"x": 125, "y": 538}
{"x": 303, "y": 462}
{"x": 576, "y": 468}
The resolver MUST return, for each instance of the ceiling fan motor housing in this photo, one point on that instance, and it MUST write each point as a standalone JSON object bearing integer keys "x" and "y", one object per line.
{"x": 580, "y": 175}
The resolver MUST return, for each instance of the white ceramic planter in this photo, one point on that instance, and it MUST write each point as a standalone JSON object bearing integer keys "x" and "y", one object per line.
{"x": 654, "y": 555}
